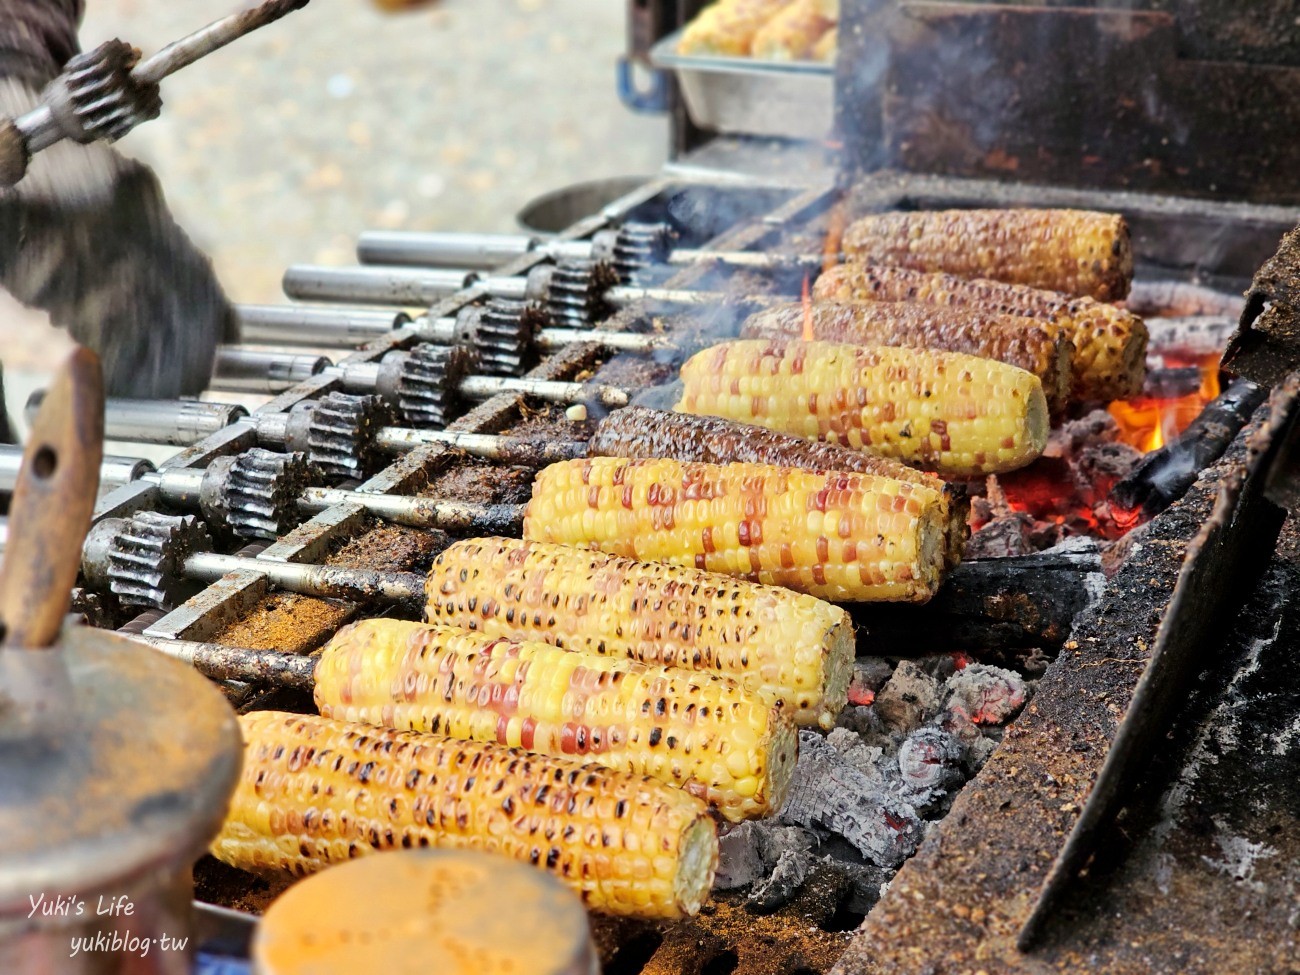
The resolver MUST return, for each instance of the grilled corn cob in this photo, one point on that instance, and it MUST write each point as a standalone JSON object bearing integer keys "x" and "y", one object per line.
{"x": 832, "y": 534}
{"x": 1110, "y": 343}
{"x": 701, "y": 732}
{"x": 728, "y": 27}
{"x": 637, "y": 432}
{"x": 1035, "y": 347}
{"x": 786, "y": 648}
{"x": 791, "y": 34}
{"x": 1078, "y": 252}
{"x": 958, "y": 414}
{"x": 316, "y": 791}
{"x": 827, "y": 46}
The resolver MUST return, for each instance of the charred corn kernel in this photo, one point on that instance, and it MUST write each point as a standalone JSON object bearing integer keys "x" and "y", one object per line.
{"x": 315, "y": 791}
{"x": 728, "y": 27}
{"x": 792, "y": 33}
{"x": 1078, "y": 252}
{"x": 786, "y": 648}
{"x": 833, "y": 534}
{"x": 1110, "y": 343}
{"x": 955, "y": 413}
{"x": 638, "y": 432}
{"x": 701, "y": 732}
{"x": 1035, "y": 347}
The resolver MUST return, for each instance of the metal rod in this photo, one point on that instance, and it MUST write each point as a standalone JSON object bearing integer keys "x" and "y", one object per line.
{"x": 326, "y": 581}
{"x": 442, "y": 249}
{"x": 550, "y": 339}
{"x": 215, "y": 36}
{"x": 113, "y": 471}
{"x": 413, "y": 287}
{"x": 396, "y": 286}
{"x": 315, "y": 325}
{"x": 241, "y": 370}
{"x": 549, "y": 390}
{"x": 495, "y": 519}
{"x": 177, "y": 423}
{"x": 217, "y": 662}
{"x": 509, "y": 450}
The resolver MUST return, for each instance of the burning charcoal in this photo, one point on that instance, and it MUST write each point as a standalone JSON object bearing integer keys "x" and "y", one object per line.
{"x": 828, "y": 793}
{"x": 785, "y": 880}
{"x": 940, "y": 666}
{"x": 989, "y": 695}
{"x": 930, "y": 762}
{"x": 909, "y": 698}
{"x": 866, "y": 879}
{"x": 739, "y": 861}
{"x": 869, "y": 673}
{"x": 1103, "y": 465}
{"x": 1095, "y": 429}
{"x": 1006, "y": 535}
{"x": 870, "y": 760}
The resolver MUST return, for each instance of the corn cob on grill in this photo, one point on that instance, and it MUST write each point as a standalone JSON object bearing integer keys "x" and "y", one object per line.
{"x": 316, "y": 791}
{"x": 700, "y": 732}
{"x": 837, "y": 535}
{"x": 1110, "y": 343}
{"x": 785, "y": 648}
{"x": 641, "y": 433}
{"x": 1036, "y": 347}
{"x": 958, "y": 414}
{"x": 1078, "y": 252}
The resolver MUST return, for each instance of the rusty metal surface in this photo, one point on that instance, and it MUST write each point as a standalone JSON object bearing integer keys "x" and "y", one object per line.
{"x": 960, "y": 904}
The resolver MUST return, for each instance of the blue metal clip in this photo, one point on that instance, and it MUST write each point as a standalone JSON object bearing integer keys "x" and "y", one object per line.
{"x": 651, "y": 100}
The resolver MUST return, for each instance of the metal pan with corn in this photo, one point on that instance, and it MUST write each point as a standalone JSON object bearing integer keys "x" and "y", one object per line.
{"x": 1077, "y": 252}
{"x": 834, "y": 534}
{"x": 316, "y": 791}
{"x": 698, "y": 731}
{"x": 788, "y": 649}
{"x": 1110, "y": 342}
{"x": 958, "y": 415}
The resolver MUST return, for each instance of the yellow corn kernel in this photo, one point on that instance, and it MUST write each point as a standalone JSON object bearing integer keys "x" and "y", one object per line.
{"x": 1031, "y": 345}
{"x": 701, "y": 732}
{"x": 1110, "y": 343}
{"x": 789, "y": 649}
{"x": 1077, "y": 252}
{"x": 833, "y": 534}
{"x": 316, "y": 791}
{"x": 957, "y": 414}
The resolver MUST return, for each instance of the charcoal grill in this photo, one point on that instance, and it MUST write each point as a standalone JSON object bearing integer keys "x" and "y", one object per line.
{"x": 1064, "y": 851}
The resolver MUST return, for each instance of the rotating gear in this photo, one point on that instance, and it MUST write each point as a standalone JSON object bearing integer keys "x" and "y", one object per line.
{"x": 341, "y": 434}
{"x": 638, "y": 246}
{"x": 146, "y": 558}
{"x": 503, "y": 336}
{"x": 431, "y": 374}
{"x": 262, "y": 490}
{"x": 576, "y": 292}
{"x": 97, "y": 97}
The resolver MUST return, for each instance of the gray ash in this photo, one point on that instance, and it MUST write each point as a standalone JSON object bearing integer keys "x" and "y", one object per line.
{"x": 863, "y": 796}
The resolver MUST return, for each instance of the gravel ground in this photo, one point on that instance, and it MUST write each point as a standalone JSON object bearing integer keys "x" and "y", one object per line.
{"x": 283, "y": 147}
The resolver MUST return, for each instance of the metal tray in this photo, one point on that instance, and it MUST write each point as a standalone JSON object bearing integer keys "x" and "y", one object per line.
{"x": 742, "y": 96}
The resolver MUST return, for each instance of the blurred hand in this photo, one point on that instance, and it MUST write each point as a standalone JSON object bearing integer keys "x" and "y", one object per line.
{"x": 87, "y": 237}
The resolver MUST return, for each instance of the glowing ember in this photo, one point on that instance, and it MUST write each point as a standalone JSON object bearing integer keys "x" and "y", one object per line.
{"x": 808, "y": 333}
{"x": 1149, "y": 422}
{"x": 836, "y": 223}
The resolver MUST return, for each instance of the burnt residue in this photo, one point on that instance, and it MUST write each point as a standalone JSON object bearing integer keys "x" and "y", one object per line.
{"x": 550, "y": 421}
{"x": 960, "y": 903}
{"x": 481, "y": 481}
{"x": 800, "y": 939}
{"x": 390, "y": 548}
{"x": 287, "y": 622}
{"x": 224, "y": 885}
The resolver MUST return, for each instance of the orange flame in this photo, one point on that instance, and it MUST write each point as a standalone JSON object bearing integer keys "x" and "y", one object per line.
{"x": 836, "y": 223}
{"x": 1148, "y": 422}
{"x": 808, "y": 332}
